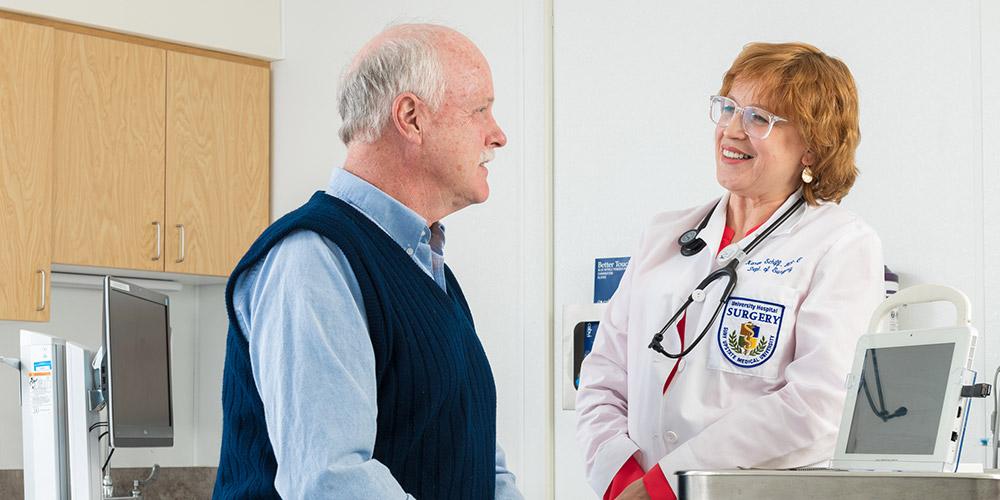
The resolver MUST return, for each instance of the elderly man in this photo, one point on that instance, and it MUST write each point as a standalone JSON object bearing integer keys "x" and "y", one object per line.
{"x": 353, "y": 369}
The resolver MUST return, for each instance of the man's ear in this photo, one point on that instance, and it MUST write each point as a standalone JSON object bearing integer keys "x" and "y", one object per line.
{"x": 408, "y": 116}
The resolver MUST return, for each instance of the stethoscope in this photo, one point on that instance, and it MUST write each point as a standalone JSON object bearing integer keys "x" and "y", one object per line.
{"x": 729, "y": 259}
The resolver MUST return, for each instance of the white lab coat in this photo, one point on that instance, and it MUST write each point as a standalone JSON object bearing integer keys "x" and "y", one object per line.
{"x": 809, "y": 290}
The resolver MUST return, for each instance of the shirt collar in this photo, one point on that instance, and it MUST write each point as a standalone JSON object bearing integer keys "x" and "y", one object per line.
{"x": 407, "y": 228}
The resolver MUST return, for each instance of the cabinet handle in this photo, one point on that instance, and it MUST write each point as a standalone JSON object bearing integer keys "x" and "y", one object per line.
{"x": 180, "y": 229}
{"x": 159, "y": 240}
{"x": 41, "y": 306}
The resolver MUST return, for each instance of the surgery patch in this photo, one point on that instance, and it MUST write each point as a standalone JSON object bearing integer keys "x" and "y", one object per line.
{"x": 748, "y": 332}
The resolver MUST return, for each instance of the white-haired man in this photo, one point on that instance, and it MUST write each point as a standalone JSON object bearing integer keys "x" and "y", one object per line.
{"x": 353, "y": 369}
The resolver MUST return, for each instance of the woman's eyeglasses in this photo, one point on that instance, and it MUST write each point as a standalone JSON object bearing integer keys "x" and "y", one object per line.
{"x": 756, "y": 122}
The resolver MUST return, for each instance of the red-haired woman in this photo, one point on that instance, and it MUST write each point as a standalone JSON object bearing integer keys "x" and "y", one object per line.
{"x": 751, "y": 373}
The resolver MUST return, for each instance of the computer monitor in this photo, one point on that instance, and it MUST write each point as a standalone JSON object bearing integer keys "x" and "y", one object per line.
{"x": 904, "y": 410}
{"x": 137, "y": 350}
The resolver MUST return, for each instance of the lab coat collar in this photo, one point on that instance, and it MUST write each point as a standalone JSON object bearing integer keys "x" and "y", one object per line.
{"x": 712, "y": 233}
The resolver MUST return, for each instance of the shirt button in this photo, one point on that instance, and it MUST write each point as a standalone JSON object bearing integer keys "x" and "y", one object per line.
{"x": 670, "y": 436}
{"x": 680, "y": 365}
{"x": 409, "y": 251}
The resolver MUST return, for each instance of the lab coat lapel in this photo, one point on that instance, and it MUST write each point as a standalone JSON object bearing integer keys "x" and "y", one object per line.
{"x": 670, "y": 287}
{"x": 705, "y": 263}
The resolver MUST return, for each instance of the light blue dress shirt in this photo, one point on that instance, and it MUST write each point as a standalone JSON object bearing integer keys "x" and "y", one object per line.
{"x": 302, "y": 312}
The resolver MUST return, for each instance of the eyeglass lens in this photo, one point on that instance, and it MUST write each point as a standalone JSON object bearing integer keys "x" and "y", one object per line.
{"x": 756, "y": 122}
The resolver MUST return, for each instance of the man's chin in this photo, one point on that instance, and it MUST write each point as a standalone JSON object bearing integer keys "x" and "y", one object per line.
{"x": 481, "y": 193}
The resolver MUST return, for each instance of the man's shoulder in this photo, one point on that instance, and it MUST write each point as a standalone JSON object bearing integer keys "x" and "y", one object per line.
{"x": 302, "y": 244}
{"x": 302, "y": 254}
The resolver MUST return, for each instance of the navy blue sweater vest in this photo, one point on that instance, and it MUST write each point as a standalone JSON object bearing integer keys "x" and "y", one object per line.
{"x": 436, "y": 426}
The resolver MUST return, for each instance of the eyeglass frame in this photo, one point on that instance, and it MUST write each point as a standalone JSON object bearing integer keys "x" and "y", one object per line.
{"x": 772, "y": 118}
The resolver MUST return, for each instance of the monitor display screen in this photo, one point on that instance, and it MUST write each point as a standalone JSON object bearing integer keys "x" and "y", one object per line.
{"x": 137, "y": 341}
{"x": 898, "y": 405}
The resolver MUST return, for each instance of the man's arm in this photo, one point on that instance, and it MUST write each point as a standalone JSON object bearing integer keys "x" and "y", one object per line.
{"x": 505, "y": 487}
{"x": 313, "y": 364}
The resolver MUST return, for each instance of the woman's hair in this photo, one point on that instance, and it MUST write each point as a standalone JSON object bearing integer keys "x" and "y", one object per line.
{"x": 817, "y": 95}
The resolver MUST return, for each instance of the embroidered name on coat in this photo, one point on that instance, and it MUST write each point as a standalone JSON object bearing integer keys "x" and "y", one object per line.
{"x": 772, "y": 265}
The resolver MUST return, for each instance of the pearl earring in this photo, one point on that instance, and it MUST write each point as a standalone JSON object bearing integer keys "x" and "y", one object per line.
{"x": 807, "y": 175}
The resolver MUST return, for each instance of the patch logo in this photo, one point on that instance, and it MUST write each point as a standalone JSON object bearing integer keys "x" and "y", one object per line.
{"x": 748, "y": 332}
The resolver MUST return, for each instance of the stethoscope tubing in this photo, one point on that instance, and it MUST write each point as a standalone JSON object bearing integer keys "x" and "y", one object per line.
{"x": 729, "y": 271}
{"x": 726, "y": 271}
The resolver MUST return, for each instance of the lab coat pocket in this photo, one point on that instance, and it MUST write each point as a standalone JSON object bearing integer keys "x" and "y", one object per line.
{"x": 754, "y": 333}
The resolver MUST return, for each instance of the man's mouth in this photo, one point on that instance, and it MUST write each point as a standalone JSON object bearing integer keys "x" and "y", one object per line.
{"x": 486, "y": 157}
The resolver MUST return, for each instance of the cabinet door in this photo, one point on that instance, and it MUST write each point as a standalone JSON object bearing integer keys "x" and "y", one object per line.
{"x": 109, "y": 154}
{"x": 26, "y": 87}
{"x": 218, "y": 161}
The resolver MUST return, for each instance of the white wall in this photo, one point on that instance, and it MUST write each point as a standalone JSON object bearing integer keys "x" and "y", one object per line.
{"x": 210, "y": 354}
{"x": 497, "y": 250}
{"x": 989, "y": 102}
{"x": 251, "y": 28}
{"x": 632, "y": 137}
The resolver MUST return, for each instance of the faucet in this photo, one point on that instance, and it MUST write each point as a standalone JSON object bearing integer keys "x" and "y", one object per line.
{"x": 136, "y": 485}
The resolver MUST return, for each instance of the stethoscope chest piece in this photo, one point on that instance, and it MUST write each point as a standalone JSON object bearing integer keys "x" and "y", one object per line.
{"x": 688, "y": 236}
{"x": 689, "y": 241}
{"x": 691, "y": 244}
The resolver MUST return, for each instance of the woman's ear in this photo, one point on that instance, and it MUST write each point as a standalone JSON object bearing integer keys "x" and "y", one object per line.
{"x": 808, "y": 158}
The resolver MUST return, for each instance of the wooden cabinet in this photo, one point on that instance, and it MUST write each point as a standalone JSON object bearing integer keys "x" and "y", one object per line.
{"x": 125, "y": 153}
{"x": 26, "y": 85}
{"x": 217, "y": 195}
{"x": 109, "y": 150}
{"x": 162, "y": 157}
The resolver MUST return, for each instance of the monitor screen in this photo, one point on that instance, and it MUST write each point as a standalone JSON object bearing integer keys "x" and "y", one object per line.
{"x": 899, "y": 401}
{"x": 137, "y": 342}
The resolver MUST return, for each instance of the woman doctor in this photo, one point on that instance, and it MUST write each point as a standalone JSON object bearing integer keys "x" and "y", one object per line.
{"x": 764, "y": 386}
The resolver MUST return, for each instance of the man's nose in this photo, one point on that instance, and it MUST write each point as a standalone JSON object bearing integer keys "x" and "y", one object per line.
{"x": 497, "y": 139}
